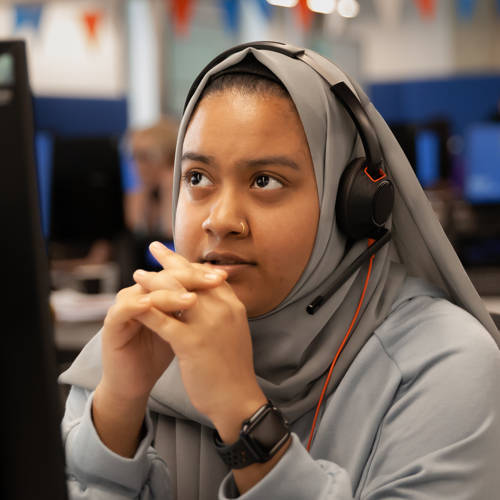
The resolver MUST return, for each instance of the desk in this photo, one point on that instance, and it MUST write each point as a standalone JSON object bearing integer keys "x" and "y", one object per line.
{"x": 492, "y": 304}
{"x": 79, "y": 317}
{"x": 71, "y": 336}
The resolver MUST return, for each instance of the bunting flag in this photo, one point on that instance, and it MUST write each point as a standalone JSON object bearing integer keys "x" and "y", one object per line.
{"x": 267, "y": 9}
{"x": 304, "y": 14}
{"x": 231, "y": 14}
{"x": 466, "y": 8}
{"x": 28, "y": 16}
{"x": 389, "y": 11}
{"x": 181, "y": 14}
{"x": 427, "y": 8}
{"x": 91, "y": 20}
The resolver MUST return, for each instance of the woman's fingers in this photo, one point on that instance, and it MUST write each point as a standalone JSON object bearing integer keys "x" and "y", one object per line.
{"x": 170, "y": 301}
{"x": 162, "y": 324}
{"x": 191, "y": 277}
{"x": 136, "y": 299}
{"x": 161, "y": 280}
{"x": 173, "y": 261}
{"x": 166, "y": 257}
{"x": 129, "y": 303}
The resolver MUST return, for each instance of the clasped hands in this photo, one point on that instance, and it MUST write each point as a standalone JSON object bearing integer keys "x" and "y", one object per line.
{"x": 211, "y": 339}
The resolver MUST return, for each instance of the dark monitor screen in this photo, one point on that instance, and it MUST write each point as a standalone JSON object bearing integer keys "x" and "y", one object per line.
{"x": 86, "y": 202}
{"x": 425, "y": 146}
{"x": 482, "y": 164}
{"x": 32, "y": 456}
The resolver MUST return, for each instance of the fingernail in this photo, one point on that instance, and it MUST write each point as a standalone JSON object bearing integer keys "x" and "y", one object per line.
{"x": 187, "y": 296}
{"x": 140, "y": 273}
{"x": 144, "y": 300}
{"x": 212, "y": 276}
{"x": 156, "y": 245}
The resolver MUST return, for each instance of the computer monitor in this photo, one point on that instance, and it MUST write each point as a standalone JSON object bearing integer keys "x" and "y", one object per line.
{"x": 425, "y": 146}
{"x": 32, "y": 454}
{"x": 482, "y": 164}
{"x": 86, "y": 202}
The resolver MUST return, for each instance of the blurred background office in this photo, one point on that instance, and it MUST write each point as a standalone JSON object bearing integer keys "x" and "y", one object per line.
{"x": 109, "y": 79}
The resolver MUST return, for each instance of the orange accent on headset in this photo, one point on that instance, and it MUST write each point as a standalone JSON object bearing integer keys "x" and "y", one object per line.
{"x": 381, "y": 172}
{"x": 342, "y": 345}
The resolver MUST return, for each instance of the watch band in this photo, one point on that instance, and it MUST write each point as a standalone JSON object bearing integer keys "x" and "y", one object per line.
{"x": 261, "y": 436}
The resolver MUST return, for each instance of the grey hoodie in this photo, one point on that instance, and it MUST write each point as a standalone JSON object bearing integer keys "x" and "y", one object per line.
{"x": 417, "y": 416}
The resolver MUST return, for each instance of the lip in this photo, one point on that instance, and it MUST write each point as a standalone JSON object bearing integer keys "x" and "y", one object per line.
{"x": 229, "y": 262}
{"x": 225, "y": 259}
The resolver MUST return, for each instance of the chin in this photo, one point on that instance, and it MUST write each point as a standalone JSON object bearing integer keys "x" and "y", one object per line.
{"x": 255, "y": 310}
{"x": 247, "y": 297}
{"x": 243, "y": 295}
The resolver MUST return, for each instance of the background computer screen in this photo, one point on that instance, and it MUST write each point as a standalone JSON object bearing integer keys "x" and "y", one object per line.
{"x": 482, "y": 164}
{"x": 86, "y": 200}
{"x": 424, "y": 144}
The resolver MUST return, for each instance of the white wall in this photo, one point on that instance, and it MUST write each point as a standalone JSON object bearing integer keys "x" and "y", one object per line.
{"x": 61, "y": 59}
{"x": 411, "y": 49}
{"x": 476, "y": 43}
{"x": 423, "y": 48}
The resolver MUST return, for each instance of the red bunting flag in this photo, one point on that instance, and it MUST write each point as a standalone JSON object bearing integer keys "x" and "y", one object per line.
{"x": 91, "y": 21}
{"x": 181, "y": 13}
{"x": 427, "y": 8}
{"x": 305, "y": 14}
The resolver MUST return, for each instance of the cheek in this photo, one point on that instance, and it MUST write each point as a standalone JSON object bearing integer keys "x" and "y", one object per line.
{"x": 286, "y": 239}
{"x": 188, "y": 230}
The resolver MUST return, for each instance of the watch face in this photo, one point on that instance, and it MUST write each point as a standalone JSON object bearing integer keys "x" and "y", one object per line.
{"x": 261, "y": 436}
{"x": 268, "y": 431}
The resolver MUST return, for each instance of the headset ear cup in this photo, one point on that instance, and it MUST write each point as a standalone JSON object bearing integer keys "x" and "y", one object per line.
{"x": 343, "y": 206}
{"x": 363, "y": 204}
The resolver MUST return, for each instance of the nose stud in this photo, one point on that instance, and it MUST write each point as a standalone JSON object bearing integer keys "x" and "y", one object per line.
{"x": 208, "y": 225}
{"x": 244, "y": 229}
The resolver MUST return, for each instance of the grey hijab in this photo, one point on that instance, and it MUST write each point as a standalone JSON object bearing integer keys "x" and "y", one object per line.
{"x": 293, "y": 350}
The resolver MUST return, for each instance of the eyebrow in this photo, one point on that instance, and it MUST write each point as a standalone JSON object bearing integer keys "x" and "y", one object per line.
{"x": 252, "y": 162}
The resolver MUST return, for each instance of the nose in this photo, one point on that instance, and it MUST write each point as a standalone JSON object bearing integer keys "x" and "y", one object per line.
{"x": 226, "y": 217}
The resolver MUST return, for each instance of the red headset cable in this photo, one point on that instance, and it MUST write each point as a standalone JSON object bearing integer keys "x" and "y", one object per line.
{"x": 341, "y": 347}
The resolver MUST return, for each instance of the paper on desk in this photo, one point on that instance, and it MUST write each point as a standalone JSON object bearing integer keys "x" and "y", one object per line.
{"x": 71, "y": 305}
{"x": 492, "y": 304}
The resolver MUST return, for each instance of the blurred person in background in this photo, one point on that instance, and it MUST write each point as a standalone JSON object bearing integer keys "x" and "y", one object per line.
{"x": 148, "y": 205}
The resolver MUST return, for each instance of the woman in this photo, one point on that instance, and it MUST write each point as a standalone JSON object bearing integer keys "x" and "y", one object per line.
{"x": 411, "y": 410}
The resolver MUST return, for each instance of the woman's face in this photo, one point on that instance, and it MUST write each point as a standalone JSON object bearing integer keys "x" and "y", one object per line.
{"x": 246, "y": 160}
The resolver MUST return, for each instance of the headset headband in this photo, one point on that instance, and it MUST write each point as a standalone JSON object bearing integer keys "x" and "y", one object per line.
{"x": 341, "y": 90}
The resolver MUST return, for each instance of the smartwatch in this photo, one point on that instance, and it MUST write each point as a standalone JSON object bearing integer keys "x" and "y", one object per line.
{"x": 261, "y": 436}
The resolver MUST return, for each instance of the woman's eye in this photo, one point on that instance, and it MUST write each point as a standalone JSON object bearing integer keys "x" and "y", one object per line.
{"x": 197, "y": 179}
{"x": 267, "y": 182}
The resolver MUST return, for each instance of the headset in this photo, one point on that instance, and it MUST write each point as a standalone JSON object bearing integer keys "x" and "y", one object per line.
{"x": 366, "y": 195}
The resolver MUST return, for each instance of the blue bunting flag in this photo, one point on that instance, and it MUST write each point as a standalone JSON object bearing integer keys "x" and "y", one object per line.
{"x": 27, "y": 16}
{"x": 466, "y": 8}
{"x": 267, "y": 9}
{"x": 231, "y": 15}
